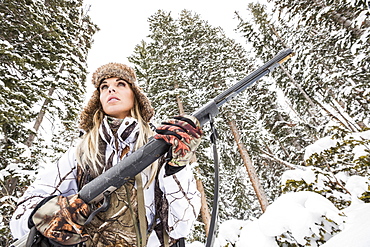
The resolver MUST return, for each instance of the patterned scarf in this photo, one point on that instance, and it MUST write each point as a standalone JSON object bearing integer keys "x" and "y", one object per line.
{"x": 118, "y": 226}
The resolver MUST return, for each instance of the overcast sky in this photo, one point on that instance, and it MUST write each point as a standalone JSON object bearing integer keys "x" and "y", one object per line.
{"x": 124, "y": 24}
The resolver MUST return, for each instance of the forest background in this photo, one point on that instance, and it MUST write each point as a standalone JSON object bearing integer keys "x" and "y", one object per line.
{"x": 294, "y": 148}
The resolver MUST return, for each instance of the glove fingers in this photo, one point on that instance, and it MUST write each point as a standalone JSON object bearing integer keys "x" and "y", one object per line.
{"x": 195, "y": 129}
{"x": 177, "y": 133}
{"x": 181, "y": 149}
{"x": 176, "y": 125}
{"x": 165, "y": 131}
{"x": 61, "y": 219}
{"x": 188, "y": 120}
{"x": 78, "y": 209}
{"x": 184, "y": 134}
{"x": 67, "y": 238}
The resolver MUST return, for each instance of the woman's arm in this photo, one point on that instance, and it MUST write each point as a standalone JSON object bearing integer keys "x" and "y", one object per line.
{"x": 55, "y": 179}
{"x": 176, "y": 179}
{"x": 183, "y": 200}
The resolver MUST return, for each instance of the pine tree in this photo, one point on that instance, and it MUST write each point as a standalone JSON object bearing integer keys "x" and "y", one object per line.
{"x": 339, "y": 53}
{"x": 43, "y": 49}
{"x": 324, "y": 93}
{"x": 281, "y": 141}
{"x": 187, "y": 60}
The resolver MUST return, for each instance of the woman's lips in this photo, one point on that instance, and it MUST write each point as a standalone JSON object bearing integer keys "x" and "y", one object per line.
{"x": 112, "y": 99}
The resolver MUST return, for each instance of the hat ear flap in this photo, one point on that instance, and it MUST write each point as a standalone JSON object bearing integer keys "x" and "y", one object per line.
{"x": 145, "y": 106}
{"x": 87, "y": 115}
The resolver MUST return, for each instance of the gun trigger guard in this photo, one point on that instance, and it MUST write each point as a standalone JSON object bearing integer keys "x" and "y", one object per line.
{"x": 104, "y": 207}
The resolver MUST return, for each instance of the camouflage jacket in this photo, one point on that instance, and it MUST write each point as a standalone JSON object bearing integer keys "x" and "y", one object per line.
{"x": 174, "y": 197}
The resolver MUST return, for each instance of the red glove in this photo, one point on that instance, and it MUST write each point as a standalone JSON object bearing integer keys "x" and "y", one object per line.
{"x": 184, "y": 134}
{"x": 61, "y": 219}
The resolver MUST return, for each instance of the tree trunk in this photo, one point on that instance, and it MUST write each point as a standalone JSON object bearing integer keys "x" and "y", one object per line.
{"x": 343, "y": 20}
{"x": 204, "y": 210}
{"x": 348, "y": 124}
{"x": 262, "y": 199}
{"x": 274, "y": 158}
{"x": 42, "y": 112}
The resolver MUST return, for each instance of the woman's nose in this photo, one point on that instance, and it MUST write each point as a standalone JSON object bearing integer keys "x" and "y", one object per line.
{"x": 111, "y": 89}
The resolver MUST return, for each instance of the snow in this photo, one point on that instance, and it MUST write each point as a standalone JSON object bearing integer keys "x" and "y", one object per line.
{"x": 230, "y": 231}
{"x": 252, "y": 235}
{"x": 360, "y": 150}
{"x": 319, "y": 146}
{"x": 195, "y": 244}
{"x": 327, "y": 142}
{"x": 3, "y": 174}
{"x": 305, "y": 217}
{"x": 355, "y": 230}
{"x": 302, "y": 214}
{"x": 299, "y": 213}
{"x": 26, "y": 153}
{"x": 357, "y": 185}
{"x": 307, "y": 175}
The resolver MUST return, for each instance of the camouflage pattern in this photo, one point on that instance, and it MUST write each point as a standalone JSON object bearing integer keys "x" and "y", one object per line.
{"x": 183, "y": 136}
{"x": 61, "y": 219}
{"x": 118, "y": 225}
{"x": 172, "y": 202}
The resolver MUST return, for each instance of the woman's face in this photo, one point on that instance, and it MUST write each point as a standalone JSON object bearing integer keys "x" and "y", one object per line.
{"x": 116, "y": 97}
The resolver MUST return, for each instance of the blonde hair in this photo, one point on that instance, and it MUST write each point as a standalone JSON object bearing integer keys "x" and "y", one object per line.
{"x": 88, "y": 153}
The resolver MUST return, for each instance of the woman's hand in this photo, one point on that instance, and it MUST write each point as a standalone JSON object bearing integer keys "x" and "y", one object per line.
{"x": 61, "y": 219}
{"x": 184, "y": 134}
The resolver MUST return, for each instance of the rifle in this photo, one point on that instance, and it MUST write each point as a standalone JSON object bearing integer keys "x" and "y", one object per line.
{"x": 122, "y": 172}
{"x": 103, "y": 185}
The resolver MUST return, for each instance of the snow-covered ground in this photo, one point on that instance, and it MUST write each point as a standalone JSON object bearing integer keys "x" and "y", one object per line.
{"x": 300, "y": 213}
{"x": 305, "y": 217}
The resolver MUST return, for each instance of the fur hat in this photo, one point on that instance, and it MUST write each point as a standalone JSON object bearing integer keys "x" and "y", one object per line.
{"x": 108, "y": 71}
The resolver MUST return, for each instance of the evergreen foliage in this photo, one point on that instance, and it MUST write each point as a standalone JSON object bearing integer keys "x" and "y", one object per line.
{"x": 43, "y": 50}
{"x": 186, "y": 60}
{"x": 323, "y": 95}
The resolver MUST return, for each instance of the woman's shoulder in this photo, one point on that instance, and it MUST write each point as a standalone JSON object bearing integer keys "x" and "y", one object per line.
{"x": 64, "y": 166}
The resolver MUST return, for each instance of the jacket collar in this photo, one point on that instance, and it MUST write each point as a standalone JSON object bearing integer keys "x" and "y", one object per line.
{"x": 125, "y": 131}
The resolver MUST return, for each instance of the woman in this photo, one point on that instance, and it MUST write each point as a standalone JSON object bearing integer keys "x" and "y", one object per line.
{"x": 156, "y": 208}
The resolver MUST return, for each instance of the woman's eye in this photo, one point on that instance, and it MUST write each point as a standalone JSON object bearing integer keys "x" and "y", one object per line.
{"x": 103, "y": 87}
{"x": 121, "y": 84}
